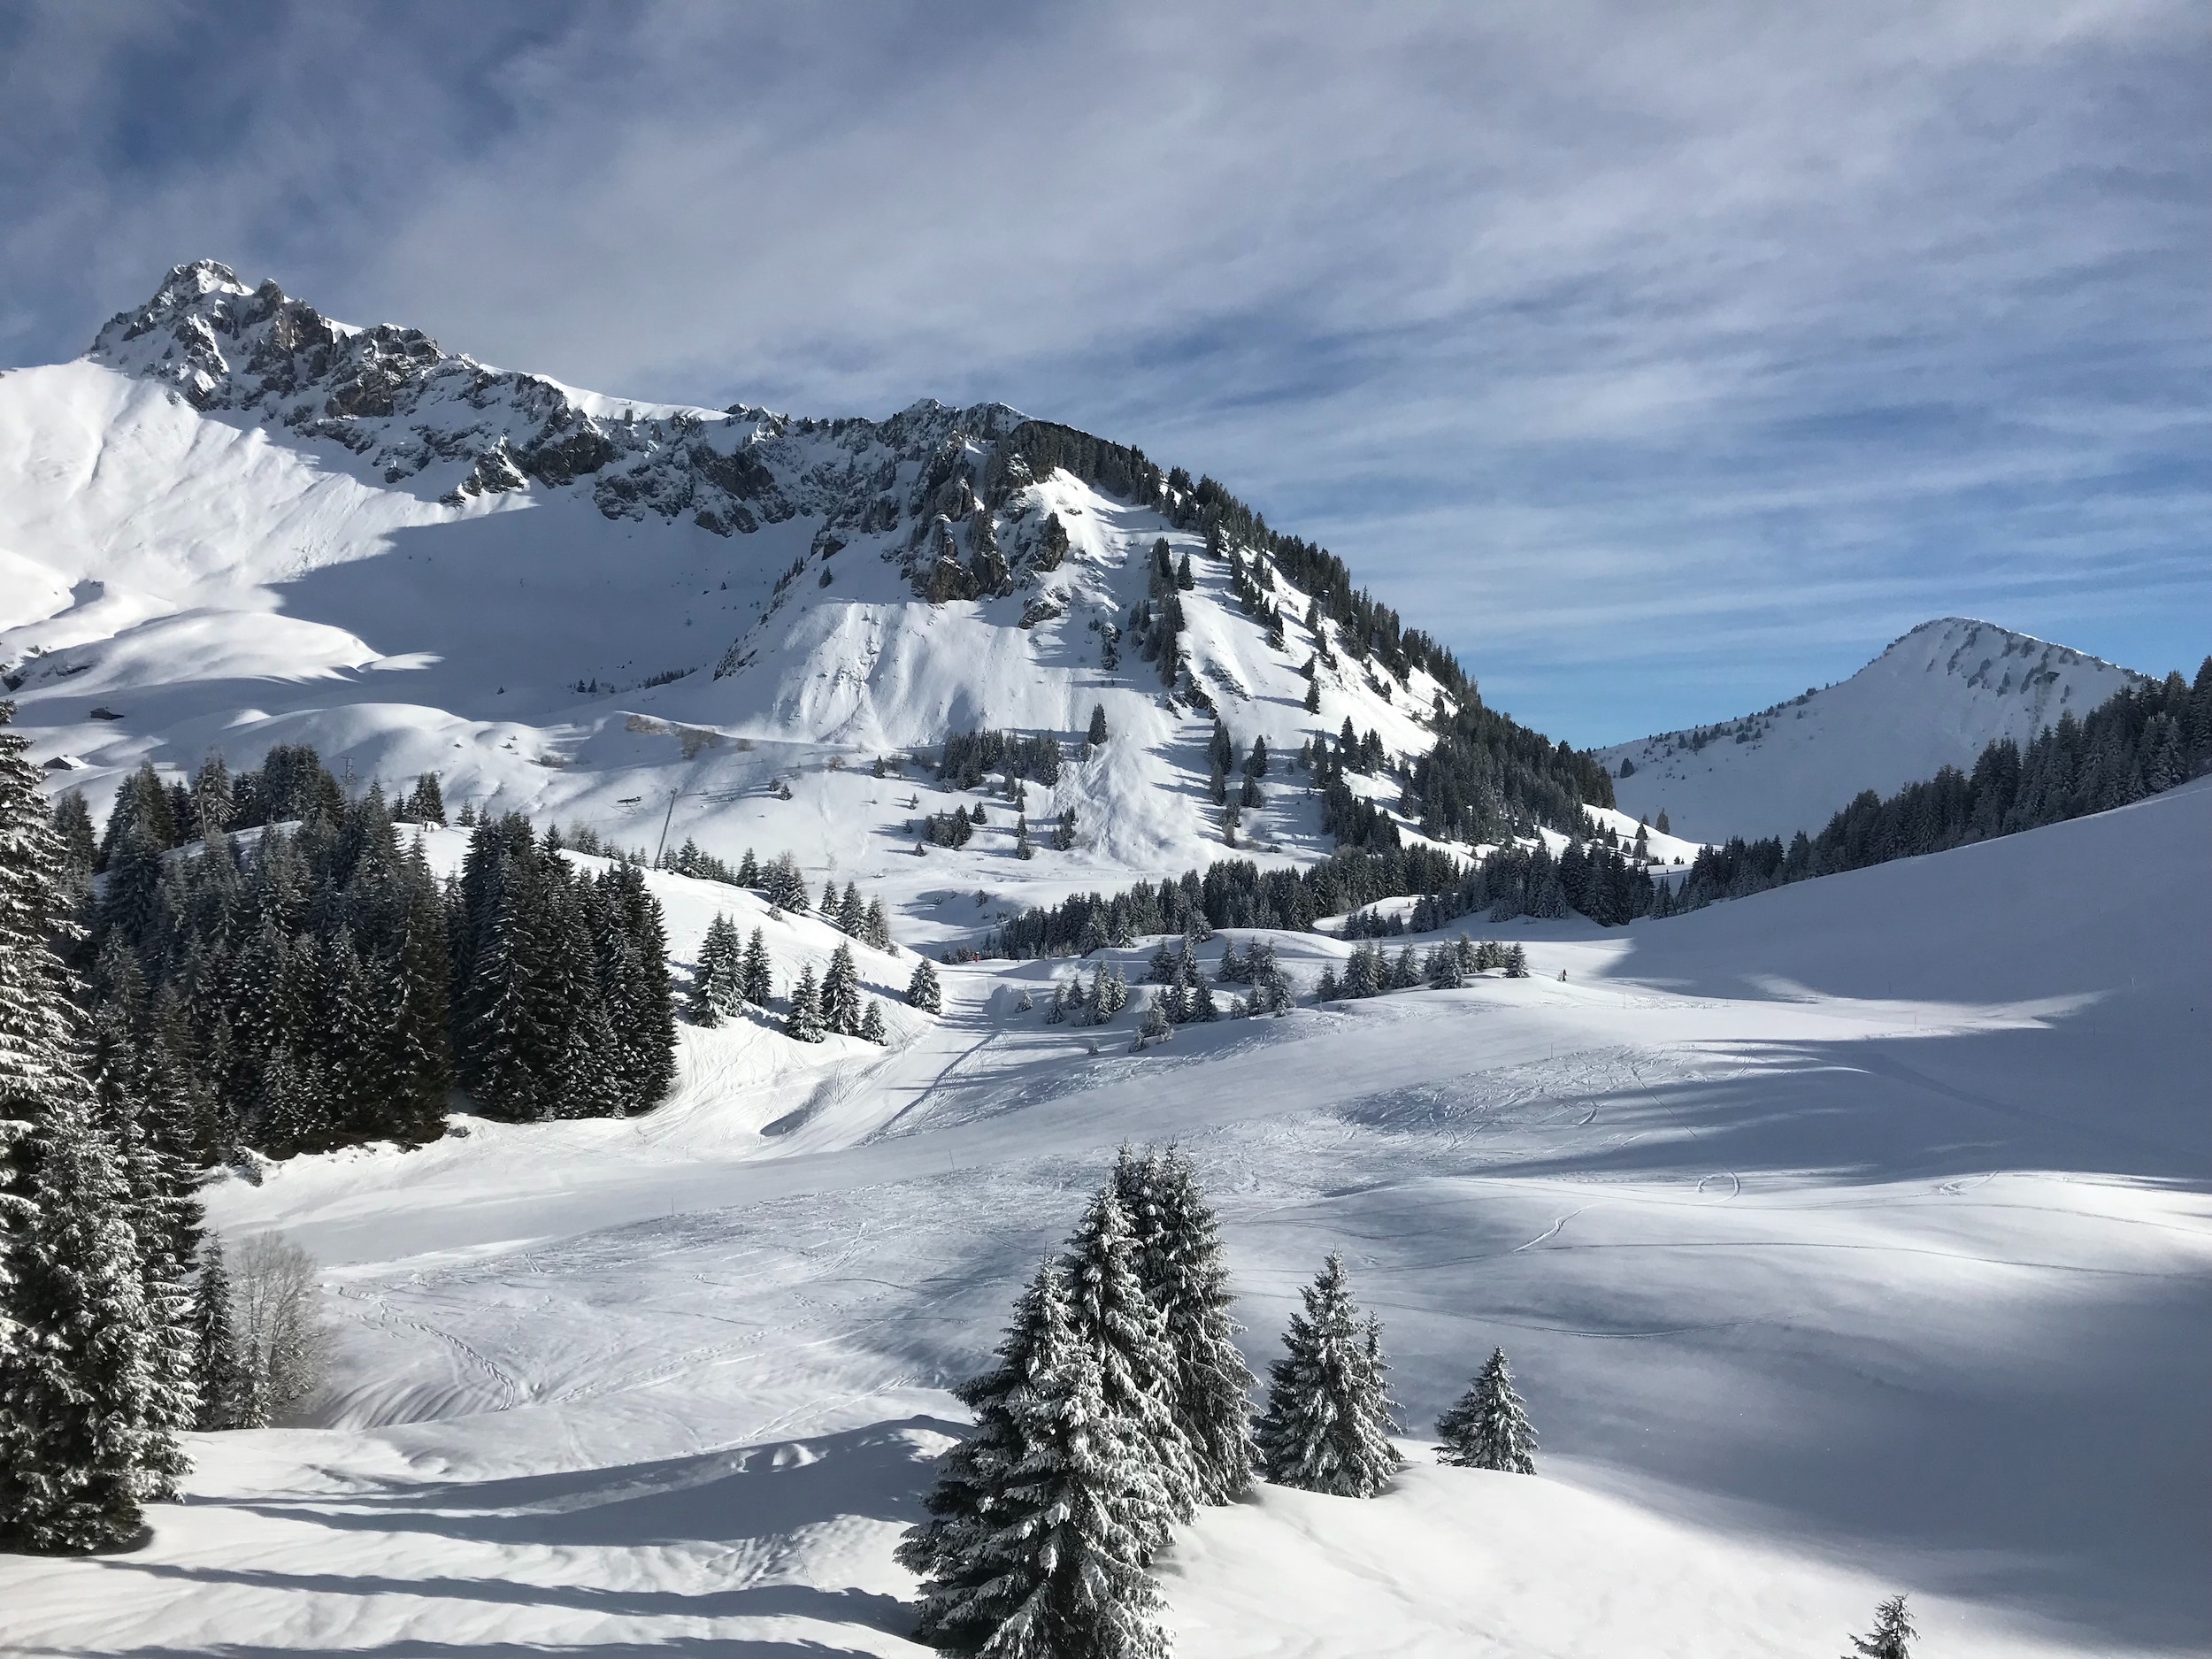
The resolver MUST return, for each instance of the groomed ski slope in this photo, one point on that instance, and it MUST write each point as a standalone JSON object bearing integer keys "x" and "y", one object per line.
{"x": 1850, "y": 1238}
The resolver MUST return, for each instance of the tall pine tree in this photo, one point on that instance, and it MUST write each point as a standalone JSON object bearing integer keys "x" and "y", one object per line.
{"x": 1118, "y": 1319}
{"x": 1179, "y": 1260}
{"x": 1056, "y": 1567}
{"x": 1327, "y": 1425}
{"x": 82, "y": 1445}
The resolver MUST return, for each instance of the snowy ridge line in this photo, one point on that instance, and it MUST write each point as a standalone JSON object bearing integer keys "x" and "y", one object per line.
{"x": 1936, "y": 696}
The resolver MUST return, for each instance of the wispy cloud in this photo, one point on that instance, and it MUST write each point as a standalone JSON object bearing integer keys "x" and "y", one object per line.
{"x": 1660, "y": 358}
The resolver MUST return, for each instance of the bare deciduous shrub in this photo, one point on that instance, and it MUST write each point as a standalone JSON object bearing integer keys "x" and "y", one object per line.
{"x": 277, "y": 1313}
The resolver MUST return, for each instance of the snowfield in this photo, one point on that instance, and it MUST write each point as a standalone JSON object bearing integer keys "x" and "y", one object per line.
{"x": 1850, "y": 1238}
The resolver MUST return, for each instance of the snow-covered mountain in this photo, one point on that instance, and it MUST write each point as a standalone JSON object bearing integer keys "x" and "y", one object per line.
{"x": 1935, "y": 698}
{"x": 235, "y": 522}
{"x": 1849, "y": 1239}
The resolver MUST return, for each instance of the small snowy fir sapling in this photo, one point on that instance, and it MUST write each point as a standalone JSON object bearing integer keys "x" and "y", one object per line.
{"x": 803, "y": 1024}
{"x": 871, "y": 1027}
{"x": 923, "y": 991}
{"x": 1488, "y": 1427}
{"x": 1891, "y": 1635}
{"x": 226, "y": 1390}
{"x": 1327, "y": 1425}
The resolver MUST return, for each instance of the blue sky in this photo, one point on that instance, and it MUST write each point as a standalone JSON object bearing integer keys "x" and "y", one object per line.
{"x": 1664, "y": 360}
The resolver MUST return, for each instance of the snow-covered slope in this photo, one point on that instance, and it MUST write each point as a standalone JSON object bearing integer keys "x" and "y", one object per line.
{"x": 1935, "y": 698}
{"x": 1850, "y": 1238}
{"x": 235, "y": 522}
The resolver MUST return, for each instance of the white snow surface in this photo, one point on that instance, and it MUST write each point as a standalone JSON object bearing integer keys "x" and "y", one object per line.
{"x": 1847, "y": 1240}
{"x": 1935, "y": 698}
{"x": 1850, "y": 1239}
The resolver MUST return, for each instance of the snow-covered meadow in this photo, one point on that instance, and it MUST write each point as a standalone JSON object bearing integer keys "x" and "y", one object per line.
{"x": 1850, "y": 1239}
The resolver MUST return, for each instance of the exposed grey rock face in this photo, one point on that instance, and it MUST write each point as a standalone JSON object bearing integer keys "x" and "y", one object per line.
{"x": 942, "y": 492}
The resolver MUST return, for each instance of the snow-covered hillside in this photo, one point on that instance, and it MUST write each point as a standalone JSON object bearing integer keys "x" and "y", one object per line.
{"x": 1935, "y": 698}
{"x": 235, "y": 523}
{"x": 1850, "y": 1238}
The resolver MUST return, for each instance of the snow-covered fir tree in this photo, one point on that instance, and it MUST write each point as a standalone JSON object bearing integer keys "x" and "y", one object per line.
{"x": 1327, "y": 1425}
{"x": 1117, "y": 1319}
{"x": 82, "y": 1443}
{"x": 875, "y": 931}
{"x": 803, "y": 1024}
{"x": 872, "y": 1025}
{"x": 717, "y": 984}
{"x": 923, "y": 991}
{"x": 225, "y": 1389}
{"x": 1892, "y": 1636}
{"x": 1053, "y": 1565}
{"x": 757, "y": 976}
{"x": 1178, "y": 1261}
{"x": 841, "y": 994}
{"x": 852, "y": 916}
{"x": 40, "y": 1025}
{"x": 944, "y": 1550}
{"x": 1488, "y": 1427}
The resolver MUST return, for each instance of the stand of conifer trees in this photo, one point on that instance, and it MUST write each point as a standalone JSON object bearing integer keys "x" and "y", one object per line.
{"x": 314, "y": 986}
{"x": 1118, "y": 1402}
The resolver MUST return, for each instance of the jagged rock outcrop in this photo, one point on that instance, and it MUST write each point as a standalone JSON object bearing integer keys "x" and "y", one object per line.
{"x": 942, "y": 489}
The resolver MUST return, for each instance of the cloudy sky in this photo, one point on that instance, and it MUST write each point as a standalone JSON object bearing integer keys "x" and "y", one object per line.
{"x": 1662, "y": 358}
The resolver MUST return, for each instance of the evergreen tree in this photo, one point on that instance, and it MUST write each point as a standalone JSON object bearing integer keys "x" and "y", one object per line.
{"x": 871, "y": 1027}
{"x": 804, "y": 1022}
{"x": 1891, "y": 1635}
{"x": 841, "y": 994}
{"x": 1023, "y": 849}
{"x": 1443, "y": 968}
{"x": 1327, "y": 1425}
{"x": 225, "y": 1391}
{"x": 717, "y": 983}
{"x": 876, "y": 931}
{"x": 1096, "y": 733}
{"x": 426, "y": 803}
{"x": 1064, "y": 833}
{"x": 757, "y": 976}
{"x": 80, "y": 848}
{"x": 39, "y": 1020}
{"x": 1488, "y": 1427}
{"x": 1178, "y": 1261}
{"x": 81, "y": 1445}
{"x": 1054, "y": 1566}
{"x": 972, "y": 1475}
{"x": 852, "y": 916}
{"x": 1515, "y": 962}
{"x": 923, "y": 991}
{"x": 1117, "y": 1319}
{"x": 749, "y": 870}
{"x": 829, "y": 901}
